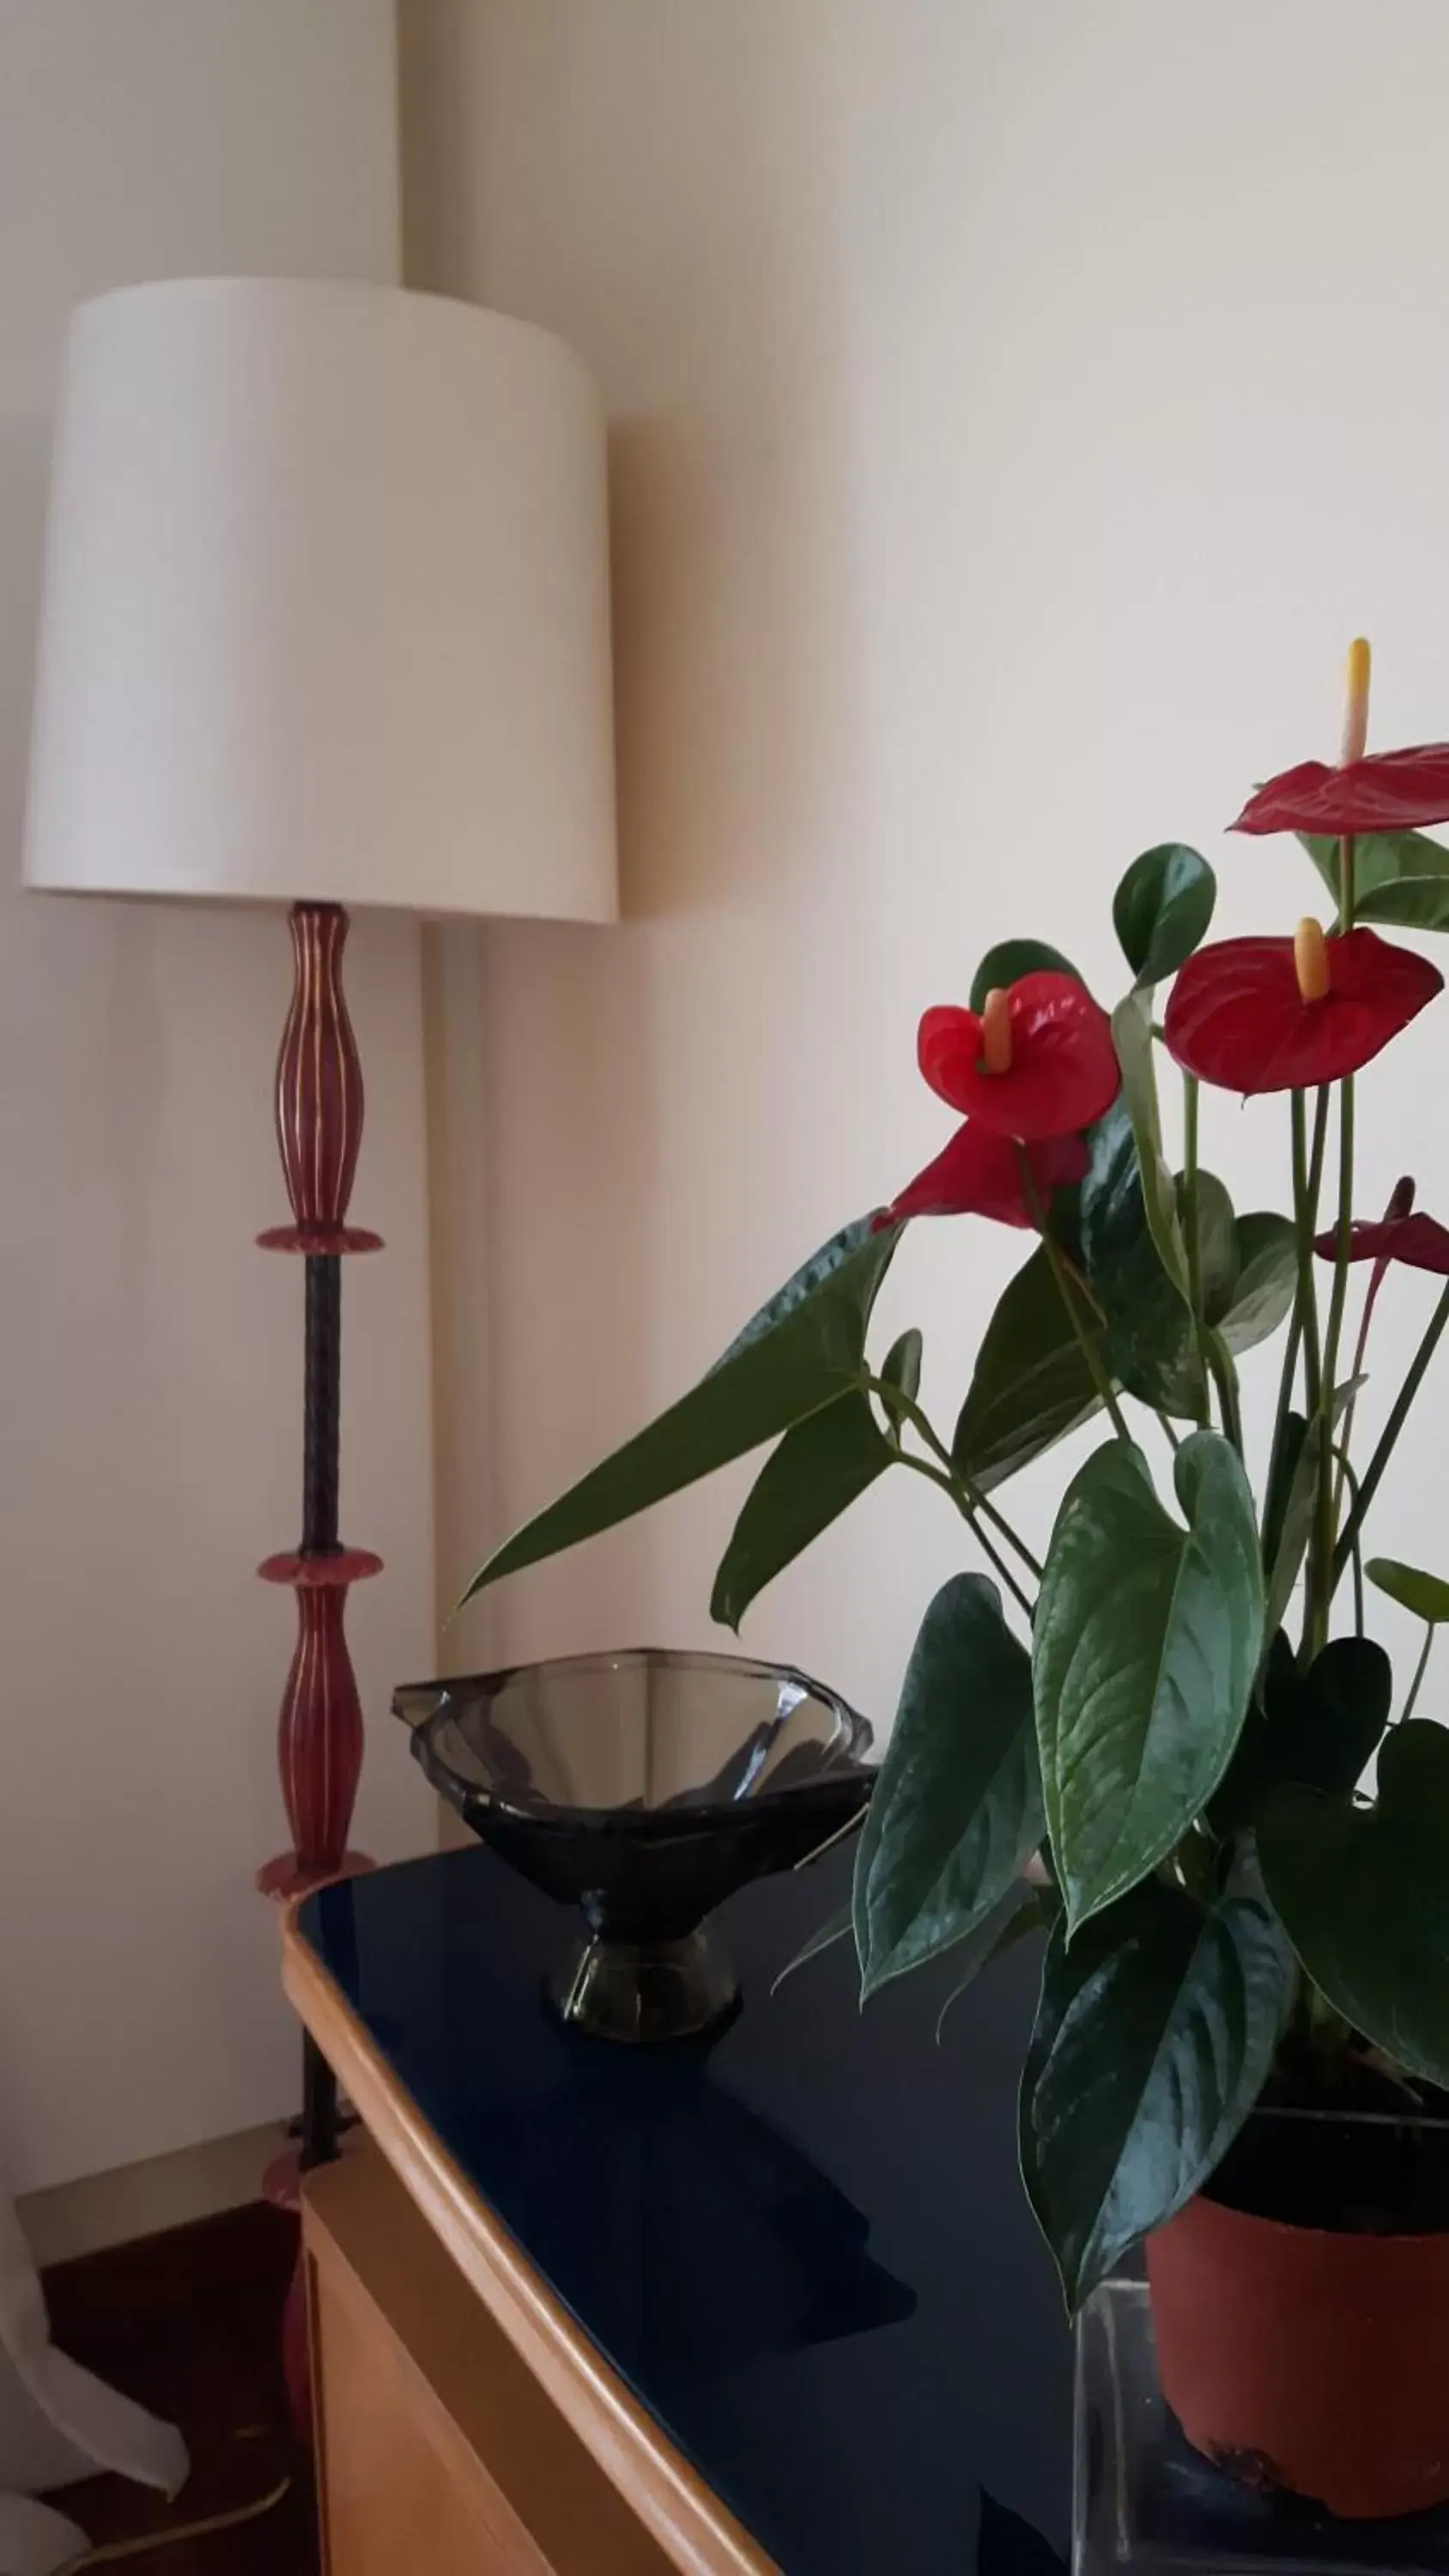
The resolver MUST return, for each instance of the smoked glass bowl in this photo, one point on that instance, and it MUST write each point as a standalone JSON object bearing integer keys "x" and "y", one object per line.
{"x": 643, "y": 1788}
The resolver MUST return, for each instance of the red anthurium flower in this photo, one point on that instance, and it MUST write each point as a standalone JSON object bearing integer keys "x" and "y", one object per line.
{"x": 1390, "y": 791}
{"x": 978, "y": 1174}
{"x": 1418, "y": 1241}
{"x": 1037, "y": 1061}
{"x": 1285, "y": 1014}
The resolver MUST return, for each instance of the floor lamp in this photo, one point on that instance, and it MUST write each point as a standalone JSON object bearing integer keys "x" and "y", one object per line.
{"x": 325, "y": 623}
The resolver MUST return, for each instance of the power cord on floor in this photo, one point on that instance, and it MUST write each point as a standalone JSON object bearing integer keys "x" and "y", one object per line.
{"x": 112, "y": 2550}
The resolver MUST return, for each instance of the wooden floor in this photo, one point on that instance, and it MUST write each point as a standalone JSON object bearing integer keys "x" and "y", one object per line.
{"x": 189, "y": 2323}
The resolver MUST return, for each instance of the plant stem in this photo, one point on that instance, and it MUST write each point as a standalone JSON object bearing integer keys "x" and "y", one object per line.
{"x": 1189, "y": 1189}
{"x": 1296, "y": 1321}
{"x": 1346, "y": 1433}
{"x": 1373, "y": 1472}
{"x": 981, "y": 1503}
{"x": 1225, "y": 1379}
{"x": 955, "y": 1477}
{"x": 948, "y": 1485}
{"x": 1070, "y": 1293}
{"x": 1305, "y": 1210}
{"x": 1193, "y": 1238}
{"x": 1420, "y": 1669}
{"x": 1325, "y": 1519}
{"x": 1342, "y": 1233}
{"x": 1349, "y": 1479}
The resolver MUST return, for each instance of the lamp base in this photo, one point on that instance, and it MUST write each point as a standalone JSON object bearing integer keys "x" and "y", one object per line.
{"x": 287, "y": 1875}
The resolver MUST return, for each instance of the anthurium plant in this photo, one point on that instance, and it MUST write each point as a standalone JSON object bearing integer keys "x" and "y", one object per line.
{"x": 1153, "y": 1743}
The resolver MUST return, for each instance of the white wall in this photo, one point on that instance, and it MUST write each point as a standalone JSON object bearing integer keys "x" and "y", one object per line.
{"x": 1018, "y": 408}
{"x": 150, "y": 1364}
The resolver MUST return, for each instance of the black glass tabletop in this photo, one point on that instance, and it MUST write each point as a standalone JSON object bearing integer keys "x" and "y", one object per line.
{"x": 802, "y": 2242}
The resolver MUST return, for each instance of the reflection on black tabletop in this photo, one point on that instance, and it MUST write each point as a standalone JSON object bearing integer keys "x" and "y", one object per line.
{"x": 693, "y": 2234}
{"x": 803, "y": 2244}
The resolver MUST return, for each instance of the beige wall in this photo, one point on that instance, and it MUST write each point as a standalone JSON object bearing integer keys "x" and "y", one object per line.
{"x": 1016, "y": 410}
{"x": 150, "y": 1361}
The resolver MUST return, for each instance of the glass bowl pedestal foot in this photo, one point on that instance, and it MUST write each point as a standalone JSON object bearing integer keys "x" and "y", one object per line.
{"x": 643, "y": 1990}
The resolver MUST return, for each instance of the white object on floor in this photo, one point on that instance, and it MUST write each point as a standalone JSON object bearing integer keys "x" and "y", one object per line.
{"x": 59, "y": 2423}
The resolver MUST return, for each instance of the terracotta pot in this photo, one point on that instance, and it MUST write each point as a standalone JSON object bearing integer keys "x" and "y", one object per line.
{"x": 1298, "y": 2358}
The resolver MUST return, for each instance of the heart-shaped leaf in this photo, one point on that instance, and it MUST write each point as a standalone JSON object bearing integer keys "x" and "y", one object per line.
{"x": 800, "y": 1352}
{"x": 1319, "y": 1729}
{"x": 1249, "y": 1272}
{"x": 1154, "y": 2037}
{"x": 1364, "y": 1897}
{"x": 1267, "y": 1280}
{"x": 1031, "y": 1384}
{"x": 1132, "y": 1037}
{"x": 819, "y": 1469}
{"x": 1161, "y": 910}
{"x": 1111, "y": 1217}
{"x": 1006, "y": 963}
{"x": 1150, "y": 1337}
{"x": 957, "y": 1807}
{"x": 1146, "y": 1644}
{"x": 1399, "y": 877}
{"x": 1427, "y": 1595}
{"x": 900, "y": 1373}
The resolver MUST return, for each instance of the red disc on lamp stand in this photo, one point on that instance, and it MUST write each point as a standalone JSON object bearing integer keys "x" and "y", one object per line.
{"x": 319, "y": 1732}
{"x": 319, "y": 1104}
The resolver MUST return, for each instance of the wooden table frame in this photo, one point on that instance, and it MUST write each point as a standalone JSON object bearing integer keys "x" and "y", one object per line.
{"x": 694, "y": 2530}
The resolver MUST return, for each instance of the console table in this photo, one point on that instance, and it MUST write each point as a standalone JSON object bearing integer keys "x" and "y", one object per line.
{"x": 770, "y": 2303}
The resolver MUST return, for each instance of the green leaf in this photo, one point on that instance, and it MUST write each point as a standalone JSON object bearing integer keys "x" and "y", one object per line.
{"x": 957, "y": 1809}
{"x": 1132, "y": 1037}
{"x": 1012, "y": 958}
{"x": 1023, "y": 1910}
{"x": 799, "y": 1353}
{"x": 1282, "y": 1489}
{"x": 1161, "y": 910}
{"x": 835, "y": 1928}
{"x": 1319, "y": 1729}
{"x": 1150, "y": 1338}
{"x": 1267, "y": 1280}
{"x": 1249, "y": 1271}
{"x": 1364, "y": 1897}
{"x": 1031, "y": 1384}
{"x": 1217, "y": 1243}
{"x": 1154, "y": 2037}
{"x": 812, "y": 1275}
{"x": 1112, "y": 1217}
{"x": 819, "y": 1469}
{"x": 900, "y": 1370}
{"x": 1146, "y": 1644}
{"x": 1427, "y": 1595}
{"x": 1398, "y": 877}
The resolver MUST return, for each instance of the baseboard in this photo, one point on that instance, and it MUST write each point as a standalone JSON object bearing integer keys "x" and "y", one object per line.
{"x": 139, "y": 2200}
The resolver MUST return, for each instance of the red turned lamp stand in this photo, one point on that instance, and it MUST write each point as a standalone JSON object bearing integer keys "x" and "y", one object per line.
{"x": 319, "y": 1735}
{"x": 326, "y": 608}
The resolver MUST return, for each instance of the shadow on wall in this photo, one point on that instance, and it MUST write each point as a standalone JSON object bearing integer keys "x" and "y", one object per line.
{"x": 718, "y": 342}
{"x": 631, "y": 177}
{"x": 728, "y": 717}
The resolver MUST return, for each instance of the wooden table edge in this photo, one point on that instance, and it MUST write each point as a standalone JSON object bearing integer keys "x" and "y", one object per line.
{"x": 673, "y": 2502}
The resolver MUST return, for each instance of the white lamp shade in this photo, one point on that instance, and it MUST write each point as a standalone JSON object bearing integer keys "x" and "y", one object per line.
{"x": 326, "y": 606}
